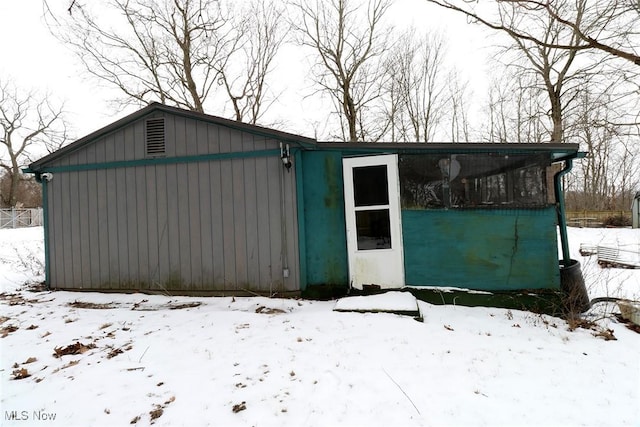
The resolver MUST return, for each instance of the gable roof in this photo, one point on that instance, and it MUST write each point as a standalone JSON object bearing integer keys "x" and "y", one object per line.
{"x": 557, "y": 151}
{"x": 157, "y": 107}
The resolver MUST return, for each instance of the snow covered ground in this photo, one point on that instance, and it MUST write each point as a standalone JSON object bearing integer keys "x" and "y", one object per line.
{"x": 92, "y": 359}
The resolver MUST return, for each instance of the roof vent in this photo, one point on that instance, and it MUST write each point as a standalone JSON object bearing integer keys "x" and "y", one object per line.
{"x": 155, "y": 137}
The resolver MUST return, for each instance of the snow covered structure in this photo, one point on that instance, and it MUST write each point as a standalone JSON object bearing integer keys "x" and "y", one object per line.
{"x": 168, "y": 200}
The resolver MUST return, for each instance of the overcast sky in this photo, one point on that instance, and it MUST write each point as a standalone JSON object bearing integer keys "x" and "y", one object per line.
{"x": 34, "y": 59}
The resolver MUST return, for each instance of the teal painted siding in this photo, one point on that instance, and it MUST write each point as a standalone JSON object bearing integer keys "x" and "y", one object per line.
{"x": 326, "y": 247}
{"x": 481, "y": 249}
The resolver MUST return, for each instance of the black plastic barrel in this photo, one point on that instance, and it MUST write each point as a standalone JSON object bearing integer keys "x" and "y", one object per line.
{"x": 576, "y": 298}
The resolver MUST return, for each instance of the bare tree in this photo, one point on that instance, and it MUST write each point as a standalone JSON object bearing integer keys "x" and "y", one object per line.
{"x": 416, "y": 91}
{"x": 555, "y": 69}
{"x": 606, "y": 25}
{"x": 558, "y": 74}
{"x": 349, "y": 42}
{"x": 460, "y": 130}
{"x": 29, "y": 124}
{"x": 609, "y": 175}
{"x": 173, "y": 51}
{"x": 243, "y": 73}
{"x": 515, "y": 110}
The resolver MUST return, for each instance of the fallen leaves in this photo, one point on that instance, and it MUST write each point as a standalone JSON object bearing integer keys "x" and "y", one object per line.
{"x": 16, "y": 299}
{"x": 239, "y": 407}
{"x": 156, "y": 413}
{"x": 607, "y": 334}
{"x": 114, "y": 351}
{"x": 19, "y": 374}
{"x": 168, "y": 306}
{"x": 77, "y": 348}
{"x": 448, "y": 328}
{"x": 600, "y": 332}
{"x": 7, "y": 330}
{"x": 184, "y": 305}
{"x": 267, "y": 310}
{"x": 91, "y": 305}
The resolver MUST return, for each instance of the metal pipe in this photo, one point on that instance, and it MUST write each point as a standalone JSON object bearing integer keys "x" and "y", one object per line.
{"x": 560, "y": 211}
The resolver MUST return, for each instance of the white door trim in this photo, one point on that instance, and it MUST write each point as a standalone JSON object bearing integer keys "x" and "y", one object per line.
{"x": 382, "y": 267}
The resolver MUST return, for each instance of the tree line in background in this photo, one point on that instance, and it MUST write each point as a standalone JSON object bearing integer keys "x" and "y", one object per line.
{"x": 567, "y": 71}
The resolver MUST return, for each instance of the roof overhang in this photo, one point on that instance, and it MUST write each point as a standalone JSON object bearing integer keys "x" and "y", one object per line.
{"x": 557, "y": 152}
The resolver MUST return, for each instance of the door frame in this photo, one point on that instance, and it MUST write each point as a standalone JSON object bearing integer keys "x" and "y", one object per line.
{"x": 382, "y": 267}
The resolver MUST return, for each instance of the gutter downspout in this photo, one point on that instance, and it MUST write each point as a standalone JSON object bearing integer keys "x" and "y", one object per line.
{"x": 560, "y": 211}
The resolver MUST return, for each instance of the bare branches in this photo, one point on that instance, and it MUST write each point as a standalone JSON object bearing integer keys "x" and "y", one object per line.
{"x": 417, "y": 96}
{"x": 175, "y": 52}
{"x": 27, "y": 122}
{"x": 349, "y": 42}
{"x": 607, "y": 26}
{"x": 243, "y": 74}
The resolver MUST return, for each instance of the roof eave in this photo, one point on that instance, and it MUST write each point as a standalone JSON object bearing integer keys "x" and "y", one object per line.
{"x": 154, "y": 107}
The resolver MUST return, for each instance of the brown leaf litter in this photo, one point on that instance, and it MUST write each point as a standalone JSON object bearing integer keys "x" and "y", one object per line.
{"x": 239, "y": 407}
{"x": 91, "y": 305}
{"x": 168, "y": 306}
{"x": 267, "y": 310}
{"x": 16, "y": 299}
{"x": 7, "y": 330}
{"x": 77, "y": 348}
{"x": 19, "y": 374}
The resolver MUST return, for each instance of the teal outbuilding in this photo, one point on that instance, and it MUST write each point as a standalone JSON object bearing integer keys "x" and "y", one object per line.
{"x": 168, "y": 200}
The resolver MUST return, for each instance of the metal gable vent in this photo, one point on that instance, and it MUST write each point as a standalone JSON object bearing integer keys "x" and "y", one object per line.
{"x": 155, "y": 137}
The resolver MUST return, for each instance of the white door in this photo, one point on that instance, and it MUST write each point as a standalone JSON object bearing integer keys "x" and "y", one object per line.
{"x": 372, "y": 211}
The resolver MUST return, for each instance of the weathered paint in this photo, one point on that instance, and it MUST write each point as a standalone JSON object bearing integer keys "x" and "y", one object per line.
{"x": 385, "y": 266}
{"x": 326, "y": 247}
{"x": 481, "y": 249}
{"x": 210, "y": 214}
{"x": 207, "y": 217}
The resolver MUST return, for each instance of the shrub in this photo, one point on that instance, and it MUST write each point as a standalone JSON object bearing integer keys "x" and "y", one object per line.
{"x": 619, "y": 220}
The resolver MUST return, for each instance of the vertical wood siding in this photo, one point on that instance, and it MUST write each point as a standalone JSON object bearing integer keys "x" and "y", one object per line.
{"x": 211, "y": 225}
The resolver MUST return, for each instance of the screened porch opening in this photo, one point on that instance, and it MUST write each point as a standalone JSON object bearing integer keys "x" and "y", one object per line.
{"x": 485, "y": 181}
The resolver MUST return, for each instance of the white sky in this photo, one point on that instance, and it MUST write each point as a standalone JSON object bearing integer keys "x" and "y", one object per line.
{"x": 35, "y": 60}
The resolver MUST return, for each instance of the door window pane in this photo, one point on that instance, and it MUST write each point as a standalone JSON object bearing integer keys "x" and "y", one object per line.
{"x": 370, "y": 186}
{"x": 374, "y": 230}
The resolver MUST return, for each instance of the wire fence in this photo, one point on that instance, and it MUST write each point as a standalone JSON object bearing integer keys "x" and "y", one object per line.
{"x": 17, "y": 218}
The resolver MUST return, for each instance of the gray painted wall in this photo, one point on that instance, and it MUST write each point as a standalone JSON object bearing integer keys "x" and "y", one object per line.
{"x": 213, "y": 225}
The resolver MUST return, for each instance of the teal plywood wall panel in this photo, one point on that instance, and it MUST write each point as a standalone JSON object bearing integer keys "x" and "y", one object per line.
{"x": 326, "y": 247}
{"x": 482, "y": 250}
